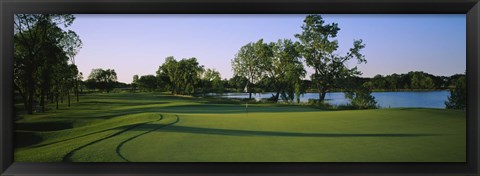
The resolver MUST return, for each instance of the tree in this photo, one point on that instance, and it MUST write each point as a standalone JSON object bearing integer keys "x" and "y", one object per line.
{"x": 59, "y": 81}
{"x": 148, "y": 82}
{"x": 361, "y": 97}
{"x": 104, "y": 80}
{"x": 284, "y": 69}
{"x": 458, "y": 95}
{"x": 238, "y": 83}
{"x": 212, "y": 81}
{"x": 190, "y": 71}
{"x": 71, "y": 80}
{"x": 134, "y": 83}
{"x": 52, "y": 55}
{"x": 170, "y": 71}
{"x": 420, "y": 80}
{"x": 247, "y": 63}
{"x": 71, "y": 45}
{"x": 33, "y": 35}
{"x": 379, "y": 81}
{"x": 181, "y": 76}
{"x": 318, "y": 50}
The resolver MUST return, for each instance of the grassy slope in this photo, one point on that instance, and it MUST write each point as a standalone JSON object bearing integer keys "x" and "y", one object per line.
{"x": 155, "y": 127}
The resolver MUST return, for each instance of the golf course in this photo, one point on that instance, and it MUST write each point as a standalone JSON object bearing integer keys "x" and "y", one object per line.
{"x": 238, "y": 88}
{"x": 159, "y": 127}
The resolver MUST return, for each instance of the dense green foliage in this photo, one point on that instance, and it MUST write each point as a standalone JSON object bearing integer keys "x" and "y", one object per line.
{"x": 42, "y": 51}
{"x": 148, "y": 82}
{"x": 361, "y": 98}
{"x": 149, "y": 127}
{"x": 212, "y": 81}
{"x": 411, "y": 80}
{"x": 145, "y": 123}
{"x": 181, "y": 77}
{"x": 247, "y": 63}
{"x": 318, "y": 46}
{"x": 104, "y": 80}
{"x": 458, "y": 95}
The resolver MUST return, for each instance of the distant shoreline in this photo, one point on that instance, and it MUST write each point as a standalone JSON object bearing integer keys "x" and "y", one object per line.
{"x": 390, "y": 90}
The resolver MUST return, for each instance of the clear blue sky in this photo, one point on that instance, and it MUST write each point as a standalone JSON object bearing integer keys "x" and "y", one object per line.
{"x": 138, "y": 44}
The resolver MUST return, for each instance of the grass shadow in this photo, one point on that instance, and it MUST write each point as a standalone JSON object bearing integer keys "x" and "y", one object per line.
{"x": 232, "y": 132}
{"x": 25, "y": 139}
{"x": 119, "y": 146}
{"x": 231, "y": 108}
{"x": 44, "y": 126}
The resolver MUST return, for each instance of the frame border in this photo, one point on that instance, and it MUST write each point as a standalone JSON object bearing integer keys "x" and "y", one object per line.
{"x": 469, "y": 7}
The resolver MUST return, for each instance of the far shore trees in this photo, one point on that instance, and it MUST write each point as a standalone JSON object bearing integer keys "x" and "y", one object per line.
{"x": 318, "y": 49}
{"x": 414, "y": 80}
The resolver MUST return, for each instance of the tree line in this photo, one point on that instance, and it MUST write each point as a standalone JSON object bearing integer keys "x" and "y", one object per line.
{"x": 185, "y": 76}
{"x": 412, "y": 80}
{"x": 45, "y": 70}
{"x": 279, "y": 67}
{"x": 44, "y": 59}
{"x": 281, "y": 64}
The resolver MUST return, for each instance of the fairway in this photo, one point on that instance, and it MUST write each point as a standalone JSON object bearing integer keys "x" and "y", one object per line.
{"x": 157, "y": 127}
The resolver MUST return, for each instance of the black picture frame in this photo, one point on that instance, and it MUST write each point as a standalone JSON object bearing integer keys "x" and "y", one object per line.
{"x": 469, "y": 7}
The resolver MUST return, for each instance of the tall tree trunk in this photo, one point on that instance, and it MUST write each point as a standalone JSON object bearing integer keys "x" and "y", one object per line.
{"x": 76, "y": 90}
{"x": 24, "y": 96}
{"x": 42, "y": 100}
{"x": 56, "y": 98}
{"x": 319, "y": 92}
{"x": 322, "y": 94}
{"x": 68, "y": 98}
{"x": 249, "y": 89}
{"x": 31, "y": 94}
{"x": 61, "y": 98}
{"x": 276, "y": 96}
{"x": 52, "y": 98}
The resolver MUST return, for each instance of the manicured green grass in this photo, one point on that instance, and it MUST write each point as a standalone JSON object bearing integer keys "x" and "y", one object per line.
{"x": 150, "y": 127}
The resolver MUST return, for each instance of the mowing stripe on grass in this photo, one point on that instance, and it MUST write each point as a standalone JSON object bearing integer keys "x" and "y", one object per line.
{"x": 119, "y": 146}
{"x": 66, "y": 158}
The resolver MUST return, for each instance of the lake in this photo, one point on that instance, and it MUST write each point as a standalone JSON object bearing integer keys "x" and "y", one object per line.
{"x": 425, "y": 99}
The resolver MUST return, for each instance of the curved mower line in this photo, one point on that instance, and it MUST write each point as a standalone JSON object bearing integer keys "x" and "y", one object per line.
{"x": 119, "y": 146}
{"x": 67, "y": 157}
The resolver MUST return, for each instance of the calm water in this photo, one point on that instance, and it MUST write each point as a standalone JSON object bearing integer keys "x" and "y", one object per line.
{"x": 430, "y": 99}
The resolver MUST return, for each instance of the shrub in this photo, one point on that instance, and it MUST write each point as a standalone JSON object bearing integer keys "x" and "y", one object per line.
{"x": 458, "y": 95}
{"x": 362, "y": 98}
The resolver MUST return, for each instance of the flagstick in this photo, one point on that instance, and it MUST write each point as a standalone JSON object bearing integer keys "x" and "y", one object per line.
{"x": 246, "y": 99}
{"x": 246, "y": 107}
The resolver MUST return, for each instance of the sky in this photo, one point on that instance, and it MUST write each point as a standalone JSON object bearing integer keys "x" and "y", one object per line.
{"x": 139, "y": 44}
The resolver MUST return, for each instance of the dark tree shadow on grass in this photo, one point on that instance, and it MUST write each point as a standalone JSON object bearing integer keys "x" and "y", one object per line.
{"x": 25, "y": 139}
{"x": 44, "y": 125}
{"x": 156, "y": 127}
{"x": 232, "y": 132}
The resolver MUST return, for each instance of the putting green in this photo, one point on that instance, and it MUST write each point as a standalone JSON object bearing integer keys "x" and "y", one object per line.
{"x": 151, "y": 127}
